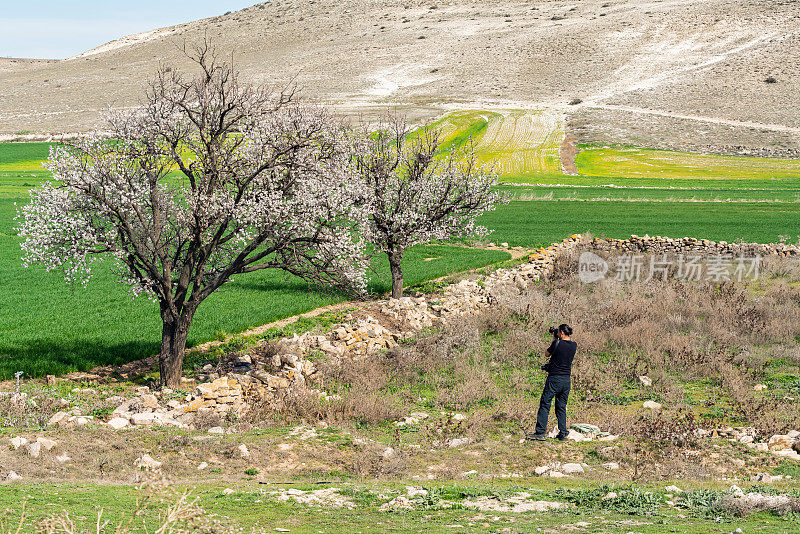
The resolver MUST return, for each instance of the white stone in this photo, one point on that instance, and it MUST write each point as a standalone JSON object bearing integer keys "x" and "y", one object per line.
{"x": 673, "y": 489}
{"x": 144, "y": 418}
{"x": 652, "y": 405}
{"x": 780, "y": 442}
{"x": 760, "y": 387}
{"x": 556, "y": 474}
{"x": 611, "y": 466}
{"x": 228, "y": 491}
{"x": 147, "y": 462}
{"x": 243, "y": 452}
{"x": 216, "y": 430}
{"x": 58, "y": 418}
{"x": 387, "y": 453}
{"x": 63, "y": 458}
{"x": 33, "y": 449}
{"x": 118, "y": 423}
{"x": 202, "y": 466}
{"x": 576, "y": 436}
{"x": 47, "y": 444}
{"x": 572, "y": 469}
{"x": 542, "y": 469}
{"x": 459, "y": 442}
{"x": 18, "y": 442}
{"x": 646, "y": 381}
{"x": 12, "y": 476}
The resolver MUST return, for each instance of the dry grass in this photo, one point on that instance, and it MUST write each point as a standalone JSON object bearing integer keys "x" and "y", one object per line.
{"x": 722, "y": 336}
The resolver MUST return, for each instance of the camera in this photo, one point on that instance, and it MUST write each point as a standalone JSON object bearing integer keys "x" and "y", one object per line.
{"x": 553, "y": 330}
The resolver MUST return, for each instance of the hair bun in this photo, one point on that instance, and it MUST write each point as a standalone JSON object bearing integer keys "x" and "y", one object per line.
{"x": 567, "y": 329}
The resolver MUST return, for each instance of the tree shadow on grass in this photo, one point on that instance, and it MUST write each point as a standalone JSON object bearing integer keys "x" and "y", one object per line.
{"x": 39, "y": 357}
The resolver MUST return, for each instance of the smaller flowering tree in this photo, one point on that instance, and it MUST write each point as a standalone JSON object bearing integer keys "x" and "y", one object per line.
{"x": 210, "y": 178}
{"x": 415, "y": 194}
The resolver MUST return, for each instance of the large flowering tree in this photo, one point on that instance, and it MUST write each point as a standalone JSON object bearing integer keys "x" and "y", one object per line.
{"x": 417, "y": 194}
{"x": 208, "y": 179}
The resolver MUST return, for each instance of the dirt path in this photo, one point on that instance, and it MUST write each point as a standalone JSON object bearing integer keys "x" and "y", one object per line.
{"x": 728, "y": 122}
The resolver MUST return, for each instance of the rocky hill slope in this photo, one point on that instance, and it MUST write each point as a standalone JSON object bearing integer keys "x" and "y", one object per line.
{"x": 671, "y": 72}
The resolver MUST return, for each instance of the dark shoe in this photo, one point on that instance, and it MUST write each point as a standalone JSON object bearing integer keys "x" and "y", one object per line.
{"x": 536, "y": 437}
{"x": 562, "y": 437}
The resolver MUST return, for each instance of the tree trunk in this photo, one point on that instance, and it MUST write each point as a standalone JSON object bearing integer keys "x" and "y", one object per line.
{"x": 395, "y": 259}
{"x": 173, "y": 343}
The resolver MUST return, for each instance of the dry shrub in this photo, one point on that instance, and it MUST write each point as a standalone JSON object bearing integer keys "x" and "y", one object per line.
{"x": 205, "y": 419}
{"x": 31, "y": 408}
{"x": 752, "y": 503}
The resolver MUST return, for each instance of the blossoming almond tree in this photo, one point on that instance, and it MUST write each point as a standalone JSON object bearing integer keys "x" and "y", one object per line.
{"x": 210, "y": 178}
{"x": 417, "y": 195}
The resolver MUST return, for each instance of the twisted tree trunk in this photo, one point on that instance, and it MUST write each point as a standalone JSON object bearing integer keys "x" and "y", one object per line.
{"x": 174, "y": 332}
{"x": 396, "y": 268}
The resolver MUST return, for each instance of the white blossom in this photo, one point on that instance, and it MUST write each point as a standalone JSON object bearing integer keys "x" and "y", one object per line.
{"x": 209, "y": 179}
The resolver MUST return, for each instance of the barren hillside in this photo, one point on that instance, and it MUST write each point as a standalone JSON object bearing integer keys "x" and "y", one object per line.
{"x": 679, "y": 73}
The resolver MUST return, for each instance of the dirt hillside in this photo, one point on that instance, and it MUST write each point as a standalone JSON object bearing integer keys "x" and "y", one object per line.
{"x": 672, "y": 72}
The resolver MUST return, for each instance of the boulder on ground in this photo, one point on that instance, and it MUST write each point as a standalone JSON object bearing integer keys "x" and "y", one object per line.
{"x": 780, "y": 442}
{"x": 47, "y": 444}
{"x": 652, "y": 405}
{"x": 118, "y": 423}
{"x": 18, "y": 442}
{"x": 572, "y": 469}
{"x": 147, "y": 462}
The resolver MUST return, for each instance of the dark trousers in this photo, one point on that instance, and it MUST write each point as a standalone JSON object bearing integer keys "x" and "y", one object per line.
{"x": 558, "y": 387}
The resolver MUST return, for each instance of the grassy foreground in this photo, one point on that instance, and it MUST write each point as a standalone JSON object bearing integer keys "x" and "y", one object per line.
{"x": 253, "y": 506}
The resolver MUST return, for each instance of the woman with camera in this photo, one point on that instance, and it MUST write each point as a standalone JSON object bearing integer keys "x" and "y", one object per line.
{"x": 561, "y": 353}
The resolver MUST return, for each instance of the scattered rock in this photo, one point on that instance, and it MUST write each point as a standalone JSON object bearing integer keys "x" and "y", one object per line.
{"x": 118, "y": 423}
{"x": 459, "y": 442}
{"x": 58, "y": 419}
{"x": 243, "y": 452}
{"x": 33, "y": 449}
{"x": 202, "y": 466}
{"x": 645, "y": 381}
{"x": 611, "y": 466}
{"x": 780, "y": 442}
{"x": 216, "y": 430}
{"x": 47, "y": 444}
{"x": 652, "y": 405}
{"x": 572, "y": 469}
{"x": 400, "y": 502}
{"x": 147, "y": 462}
{"x": 18, "y": 442}
{"x": 12, "y": 476}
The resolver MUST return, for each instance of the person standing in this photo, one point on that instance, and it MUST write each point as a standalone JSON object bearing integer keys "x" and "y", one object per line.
{"x": 559, "y": 370}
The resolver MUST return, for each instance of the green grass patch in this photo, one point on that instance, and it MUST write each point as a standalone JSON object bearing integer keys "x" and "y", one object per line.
{"x": 665, "y": 164}
{"x": 537, "y": 223}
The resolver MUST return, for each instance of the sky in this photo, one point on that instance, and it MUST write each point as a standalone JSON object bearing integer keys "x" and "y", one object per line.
{"x": 59, "y": 29}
